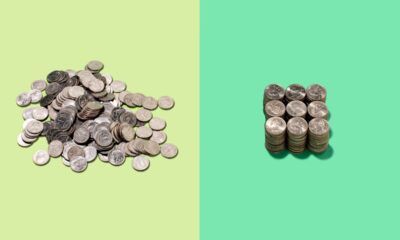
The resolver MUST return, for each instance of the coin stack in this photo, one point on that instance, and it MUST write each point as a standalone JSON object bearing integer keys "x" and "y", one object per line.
{"x": 275, "y": 134}
{"x": 296, "y": 118}
{"x": 90, "y": 116}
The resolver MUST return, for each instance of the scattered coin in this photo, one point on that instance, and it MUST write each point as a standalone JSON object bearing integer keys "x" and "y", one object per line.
{"x": 140, "y": 163}
{"x": 41, "y": 158}
{"x": 87, "y": 120}
{"x": 169, "y": 150}
{"x": 166, "y": 102}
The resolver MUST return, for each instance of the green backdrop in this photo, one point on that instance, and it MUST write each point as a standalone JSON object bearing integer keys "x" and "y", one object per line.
{"x": 350, "y": 192}
{"x": 153, "y": 46}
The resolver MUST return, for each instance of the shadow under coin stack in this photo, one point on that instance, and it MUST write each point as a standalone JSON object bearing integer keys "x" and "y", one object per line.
{"x": 296, "y": 118}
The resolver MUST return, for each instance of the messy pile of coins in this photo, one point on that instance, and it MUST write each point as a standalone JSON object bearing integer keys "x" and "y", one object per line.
{"x": 296, "y": 118}
{"x": 88, "y": 120}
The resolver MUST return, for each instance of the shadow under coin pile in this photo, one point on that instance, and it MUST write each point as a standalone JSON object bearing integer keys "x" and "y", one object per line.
{"x": 296, "y": 118}
{"x": 87, "y": 120}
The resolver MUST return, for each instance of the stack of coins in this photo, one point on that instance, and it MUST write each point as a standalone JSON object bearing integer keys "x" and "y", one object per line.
{"x": 318, "y": 137}
{"x": 275, "y": 134}
{"x": 88, "y": 119}
{"x": 297, "y": 129}
{"x": 298, "y": 113}
{"x": 316, "y": 92}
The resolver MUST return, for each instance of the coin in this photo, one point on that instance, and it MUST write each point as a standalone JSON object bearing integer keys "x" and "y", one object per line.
{"x": 169, "y": 150}
{"x": 36, "y": 95}
{"x": 55, "y": 148}
{"x": 157, "y": 124}
{"x": 41, "y": 158}
{"x": 116, "y": 157}
{"x": 296, "y": 108}
{"x": 39, "y": 85}
{"x": 143, "y": 115}
{"x": 152, "y": 148}
{"x": 40, "y": 113}
{"x": 150, "y": 103}
{"x": 274, "y": 108}
{"x": 78, "y": 164}
{"x": 295, "y": 92}
{"x": 318, "y": 137}
{"x": 27, "y": 113}
{"x": 317, "y": 109}
{"x": 144, "y": 132}
{"x": 90, "y": 153}
{"x": 140, "y": 163}
{"x": 118, "y": 86}
{"x": 81, "y": 135}
{"x": 23, "y": 99}
{"x": 21, "y": 142}
{"x": 159, "y": 137}
{"x": 316, "y": 92}
{"x": 95, "y": 66}
{"x": 166, "y": 102}
{"x": 273, "y": 92}
{"x": 75, "y": 151}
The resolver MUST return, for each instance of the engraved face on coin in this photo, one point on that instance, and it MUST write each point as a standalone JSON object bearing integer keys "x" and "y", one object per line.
{"x": 24, "y": 99}
{"x": 150, "y": 103}
{"x": 169, "y": 150}
{"x": 157, "y": 124}
{"x": 95, "y": 66}
{"x": 140, "y": 163}
{"x": 116, "y": 157}
{"x": 143, "y": 115}
{"x": 273, "y": 92}
{"x": 152, "y": 148}
{"x": 319, "y": 126}
{"x": 297, "y": 126}
{"x": 275, "y": 125}
{"x": 159, "y": 137}
{"x": 295, "y": 92}
{"x": 39, "y": 85}
{"x": 78, "y": 164}
{"x": 317, "y": 109}
{"x": 316, "y": 92}
{"x": 275, "y": 108}
{"x": 144, "y": 132}
{"x": 41, "y": 158}
{"x": 40, "y": 113}
{"x": 90, "y": 153}
{"x": 296, "y": 109}
{"x": 166, "y": 102}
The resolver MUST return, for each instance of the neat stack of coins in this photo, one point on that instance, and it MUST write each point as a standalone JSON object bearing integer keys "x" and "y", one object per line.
{"x": 296, "y": 118}
{"x": 275, "y": 134}
{"x": 88, "y": 120}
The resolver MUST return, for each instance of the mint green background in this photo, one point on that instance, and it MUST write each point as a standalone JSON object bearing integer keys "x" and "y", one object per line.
{"x": 352, "y": 48}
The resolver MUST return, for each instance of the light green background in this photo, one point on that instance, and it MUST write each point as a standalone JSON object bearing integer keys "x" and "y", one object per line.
{"x": 352, "y": 48}
{"x": 153, "y": 46}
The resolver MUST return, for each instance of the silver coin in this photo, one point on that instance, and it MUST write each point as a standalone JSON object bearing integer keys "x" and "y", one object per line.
{"x": 144, "y": 132}
{"x": 76, "y": 91}
{"x": 169, "y": 150}
{"x": 140, "y": 163}
{"x": 27, "y": 113}
{"x": 122, "y": 95}
{"x": 317, "y": 109}
{"x": 55, "y": 148}
{"x": 316, "y": 92}
{"x": 275, "y": 126}
{"x": 41, "y": 158}
{"x": 40, "y": 113}
{"x": 157, "y": 124}
{"x": 116, "y": 157}
{"x": 150, "y": 103}
{"x": 21, "y": 142}
{"x": 36, "y": 95}
{"x": 95, "y": 65}
{"x": 39, "y": 85}
{"x": 152, "y": 148}
{"x": 52, "y": 112}
{"x": 166, "y": 102}
{"x": 295, "y": 92}
{"x": 90, "y": 153}
{"x": 159, "y": 137}
{"x": 296, "y": 109}
{"x": 23, "y": 99}
{"x": 273, "y": 92}
{"x": 118, "y": 86}
{"x": 71, "y": 73}
{"x": 81, "y": 135}
{"x": 78, "y": 164}
{"x": 274, "y": 108}
{"x": 34, "y": 127}
{"x": 66, "y": 162}
{"x": 143, "y": 115}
